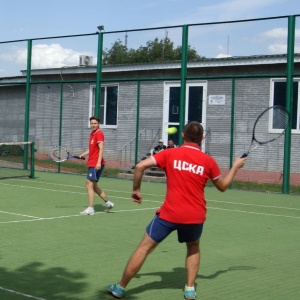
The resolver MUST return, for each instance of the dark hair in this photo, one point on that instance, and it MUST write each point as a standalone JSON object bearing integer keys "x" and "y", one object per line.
{"x": 95, "y": 118}
{"x": 193, "y": 132}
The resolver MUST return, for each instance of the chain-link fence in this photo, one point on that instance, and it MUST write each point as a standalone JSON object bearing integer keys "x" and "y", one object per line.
{"x": 140, "y": 82}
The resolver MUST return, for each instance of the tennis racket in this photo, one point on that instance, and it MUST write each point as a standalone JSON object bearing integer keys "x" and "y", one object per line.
{"x": 60, "y": 154}
{"x": 280, "y": 119}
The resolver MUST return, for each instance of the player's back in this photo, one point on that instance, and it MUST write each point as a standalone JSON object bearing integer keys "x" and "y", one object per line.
{"x": 187, "y": 170}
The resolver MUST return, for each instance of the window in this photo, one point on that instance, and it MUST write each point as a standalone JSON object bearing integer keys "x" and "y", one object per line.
{"x": 279, "y": 98}
{"x": 195, "y": 103}
{"x": 108, "y": 105}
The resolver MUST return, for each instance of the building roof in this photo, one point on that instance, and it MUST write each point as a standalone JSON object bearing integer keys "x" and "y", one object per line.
{"x": 205, "y": 62}
{"x": 231, "y": 61}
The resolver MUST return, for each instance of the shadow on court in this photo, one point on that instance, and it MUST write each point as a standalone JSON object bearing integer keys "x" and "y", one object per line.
{"x": 32, "y": 281}
{"x": 169, "y": 280}
{"x": 235, "y": 268}
{"x": 101, "y": 208}
{"x": 97, "y": 207}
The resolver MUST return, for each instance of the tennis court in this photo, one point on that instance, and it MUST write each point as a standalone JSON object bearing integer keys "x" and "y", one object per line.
{"x": 250, "y": 247}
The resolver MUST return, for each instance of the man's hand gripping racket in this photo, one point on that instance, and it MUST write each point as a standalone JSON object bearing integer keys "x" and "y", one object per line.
{"x": 280, "y": 118}
{"x": 60, "y": 154}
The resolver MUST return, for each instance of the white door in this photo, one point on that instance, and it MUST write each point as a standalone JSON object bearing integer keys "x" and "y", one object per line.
{"x": 195, "y": 106}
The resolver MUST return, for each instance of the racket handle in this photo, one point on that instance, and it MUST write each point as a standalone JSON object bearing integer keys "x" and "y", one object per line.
{"x": 78, "y": 157}
{"x": 244, "y": 155}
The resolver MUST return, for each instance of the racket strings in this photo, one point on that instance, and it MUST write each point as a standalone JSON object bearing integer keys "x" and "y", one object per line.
{"x": 275, "y": 118}
{"x": 280, "y": 119}
{"x": 261, "y": 129}
{"x": 58, "y": 154}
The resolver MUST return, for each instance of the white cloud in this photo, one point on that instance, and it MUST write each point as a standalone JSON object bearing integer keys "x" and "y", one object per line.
{"x": 222, "y": 55}
{"x": 45, "y": 56}
{"x": 223, "y": 52}
{"x": 275, "y": 33}
{"x": 277, "y": 48}
{"x": 278, "y": 39}
{"x": 53, "y": 56}
{"x": 281, "y": 48}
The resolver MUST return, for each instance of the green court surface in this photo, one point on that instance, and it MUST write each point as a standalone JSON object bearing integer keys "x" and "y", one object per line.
{"x": 250, "y": 247}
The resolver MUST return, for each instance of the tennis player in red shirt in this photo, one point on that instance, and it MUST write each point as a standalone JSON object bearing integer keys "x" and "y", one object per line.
{"x": 95, "y": 165}
{"x": 187, "y": 170}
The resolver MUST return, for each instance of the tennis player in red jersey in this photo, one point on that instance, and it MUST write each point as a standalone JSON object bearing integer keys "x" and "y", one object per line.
{"x": 95, "y": 165}
{"x": 187, "y": 170}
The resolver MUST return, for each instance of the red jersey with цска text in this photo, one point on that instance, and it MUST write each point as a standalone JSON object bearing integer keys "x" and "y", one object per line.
{"x": 96, "y": 137}
{"x": 187, "y": 170}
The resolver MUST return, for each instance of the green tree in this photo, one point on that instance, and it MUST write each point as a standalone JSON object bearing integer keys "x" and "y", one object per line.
{"x": 117, "y": 54}
{"x": 154, "y": 51}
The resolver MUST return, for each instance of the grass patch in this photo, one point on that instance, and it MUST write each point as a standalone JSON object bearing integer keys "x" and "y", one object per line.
{"x": 250, "y": 240}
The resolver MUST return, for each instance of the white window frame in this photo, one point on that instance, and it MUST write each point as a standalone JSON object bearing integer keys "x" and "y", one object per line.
{"x": 92, "y": 104}
{"x": 273, "y": 81}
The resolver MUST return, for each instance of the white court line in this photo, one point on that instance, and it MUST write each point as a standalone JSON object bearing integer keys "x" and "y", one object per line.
{"x": 207, "y": 200}
{"x": 78, "y": 215}
{"x": 43, "y": 189}
{"x": 256, "y": 205}
{"x": 253, "y": 212}
{"x": 62, "y": 191}
{"x": 76, "y": 186}
{"x": 143, "y": 209}
{"x": 22, "y": 294}
{"x": 70, "y": 192}
{"x": 226, "y": 202}
{"x": 10, "y": 213}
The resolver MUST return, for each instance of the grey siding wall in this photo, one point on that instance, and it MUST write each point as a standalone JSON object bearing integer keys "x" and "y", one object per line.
{"x": 218, "y": 122}
{"x": 12, "y": 114}
{"x": 251, "y": 96}
{"x": 75, "y": 116}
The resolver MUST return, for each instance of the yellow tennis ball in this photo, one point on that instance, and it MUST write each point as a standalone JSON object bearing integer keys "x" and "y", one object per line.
{"x": 171, "y": 130}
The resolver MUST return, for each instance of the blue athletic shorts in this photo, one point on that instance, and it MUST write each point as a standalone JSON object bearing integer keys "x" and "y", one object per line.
{"x": 94, "y": 174}
{"x": 159, "y": 229}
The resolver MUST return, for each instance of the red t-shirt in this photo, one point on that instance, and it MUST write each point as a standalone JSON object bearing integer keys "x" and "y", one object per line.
{"x": 187, "y": 170}
{"x": 96, "y": 137}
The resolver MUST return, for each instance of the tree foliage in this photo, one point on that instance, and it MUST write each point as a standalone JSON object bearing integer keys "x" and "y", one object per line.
{"x": 154, "y": 51}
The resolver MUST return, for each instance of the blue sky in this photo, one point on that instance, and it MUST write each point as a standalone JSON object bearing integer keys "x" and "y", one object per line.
{"x": 38, "y": 18}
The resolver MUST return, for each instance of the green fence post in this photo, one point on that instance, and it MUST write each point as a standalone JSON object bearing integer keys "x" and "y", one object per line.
{"x": 137, "y": 123}
{"x": 99, "y": 75}
{"x": 184, "y": 60}
{"x": 60, "y": 120}
{"x": 33, "y": 150}
{"x": 232, "y": 122}
{"x": 289, "y": 104}
{"x": 27, "y": 103}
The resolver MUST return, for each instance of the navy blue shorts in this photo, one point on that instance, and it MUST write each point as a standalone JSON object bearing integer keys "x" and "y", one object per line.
{"x": 94, "y": 174}
{"x": 159, "y": 229}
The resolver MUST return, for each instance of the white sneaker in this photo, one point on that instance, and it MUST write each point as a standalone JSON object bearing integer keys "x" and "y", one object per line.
{"x": 109, "y": 205}
{"x": 88, "y": 212}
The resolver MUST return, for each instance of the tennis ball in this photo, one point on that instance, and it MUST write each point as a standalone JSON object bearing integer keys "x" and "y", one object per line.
{"x": 171, "y": 130}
